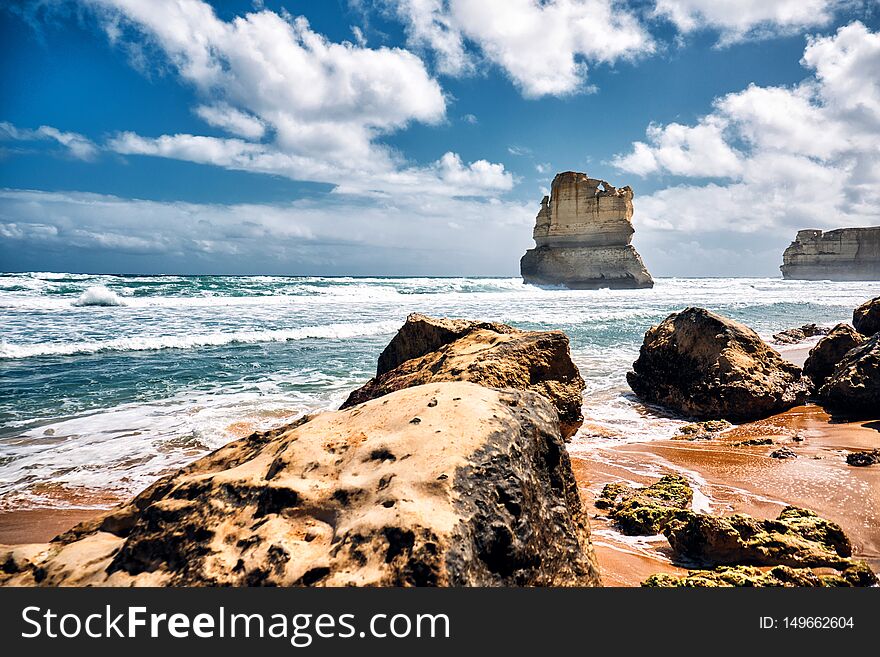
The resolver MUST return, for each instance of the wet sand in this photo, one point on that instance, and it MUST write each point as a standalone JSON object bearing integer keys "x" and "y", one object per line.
{"x": 39, "y": 525}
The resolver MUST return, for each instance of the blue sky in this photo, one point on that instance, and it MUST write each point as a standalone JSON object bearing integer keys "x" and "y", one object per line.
{"x": 416, "y": 137}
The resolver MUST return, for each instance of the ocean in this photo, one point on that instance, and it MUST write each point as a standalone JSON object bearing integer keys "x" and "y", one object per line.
{"x": 108, "y": 382}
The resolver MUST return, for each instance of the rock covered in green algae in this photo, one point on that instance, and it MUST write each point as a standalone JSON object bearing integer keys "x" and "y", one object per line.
{"x": 863, "y": 459}
{"x": 703, "y": 430}
{"x": 858, "y": 574}
{"x": 797, "y": 538}
{"x": 646, "y": 511}
{"x": 753, "y": 442}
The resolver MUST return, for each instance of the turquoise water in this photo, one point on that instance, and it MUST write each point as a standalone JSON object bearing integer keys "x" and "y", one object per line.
{"x": 107, "y": 382}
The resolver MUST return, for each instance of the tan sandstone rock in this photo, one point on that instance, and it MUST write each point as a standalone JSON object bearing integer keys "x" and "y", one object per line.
{"x": 448, "y": 484}
{"x": 427, "y": 350}
{"x": 582, "y": 235}
{"x": 845, "y": 254}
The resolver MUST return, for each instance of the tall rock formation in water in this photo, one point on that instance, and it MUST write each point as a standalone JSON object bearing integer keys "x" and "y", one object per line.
{"x": 582, "y": 236}
{"x": 845, "y": 254}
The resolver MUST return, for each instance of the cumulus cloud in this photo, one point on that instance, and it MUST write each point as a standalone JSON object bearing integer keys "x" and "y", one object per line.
{"x": 738, "y": 20}
{"x": 779, "y": 158}
{"x": 400, "y": 235}
{"x": 544, "y": 46}
{"x": 75, "y": 144}
{"x": 324, "y": 106}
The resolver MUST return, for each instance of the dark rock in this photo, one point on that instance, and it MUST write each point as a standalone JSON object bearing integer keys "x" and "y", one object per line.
{"x": 854, "y": 386}
{"x": 428, "y": 350}
{"x": 351, "y": 498}
{"x": 829, "y": 351}
{"x": 707, "y": 366}
{"x": 863, "y": 459}
{"x": 866, "y": 318}
{"x": 783, "y": 453}
{"x": 795, "y": 335}
{"x": 646, "y": 511}
{"x": 753, "y": 442}
{"x": 702, "y": 430}
{"x": 797, "y": 538}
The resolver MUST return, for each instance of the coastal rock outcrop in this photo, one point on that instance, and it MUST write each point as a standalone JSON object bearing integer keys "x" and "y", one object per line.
{"x": 857, "y": 574}
{"x": 582, "y": 235}
{"x": 845, "y": 254}
{"x": 866, "y": 318}
{"x": 829, "y": 351}
{"x": 854, "y": 386}
{"x": 707, "y": 366}
{"x": 447, "y": 484}
{"x": 799, "y": 334}
{"x": 797, "y": 538}
{"x": 646, "y": 511}
{"x": 429, "y": 350}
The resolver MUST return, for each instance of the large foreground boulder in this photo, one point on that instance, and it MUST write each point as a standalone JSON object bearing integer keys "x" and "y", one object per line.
{"x": 854, "y": 387}
{"x": 429, "y": 350}
{"x": 448, "y": 484}
{"x": 866, "y": 318}
{"x": 707, "y": 366}
{"x": 829, "y": 351}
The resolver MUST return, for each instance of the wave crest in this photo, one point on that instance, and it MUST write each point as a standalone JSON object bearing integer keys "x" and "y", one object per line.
{"x": 99, "y": 295}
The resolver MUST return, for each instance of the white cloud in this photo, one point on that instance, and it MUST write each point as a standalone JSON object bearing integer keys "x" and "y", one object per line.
{"x": 326, "y": 105}
{"x": 784, "y": 158}
{"x": 544, "y": 46}
{"x": 398, "y": 235}
{"x": 741, "y": 19}
{"x": 76, "y": 144}
{"x": 232, "y": 120}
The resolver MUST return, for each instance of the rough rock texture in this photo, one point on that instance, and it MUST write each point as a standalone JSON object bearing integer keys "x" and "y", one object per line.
{"x": 795, "y": 335}
{"x": 427, "y": 350}
{"x": 797, "y": 538}
{"x": 857, "y": 574}
{"x": 863, "y": 459}
{"x": 829, "y": 351}
{"x": 845, "y": 254}
{"x": 447, "y": 484}
{"x": 854, "y": 387}
{"x": 582, "y": 236}
{"x": 706, "y": 430}
{"x": 707, "y": 366}
{"x": 647, "y": 511}
{"x": 866, "y": 318}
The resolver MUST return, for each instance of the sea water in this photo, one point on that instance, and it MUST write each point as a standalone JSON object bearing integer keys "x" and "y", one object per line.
{"x": 108, "y": 382}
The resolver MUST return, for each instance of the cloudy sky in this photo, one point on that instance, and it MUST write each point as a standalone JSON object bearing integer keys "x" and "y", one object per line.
{"x": 416, "y": 137}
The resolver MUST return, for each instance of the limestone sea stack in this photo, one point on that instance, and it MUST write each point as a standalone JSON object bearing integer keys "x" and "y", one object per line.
{"x": 582, "y": 235}
{"x": 845, "y": 254}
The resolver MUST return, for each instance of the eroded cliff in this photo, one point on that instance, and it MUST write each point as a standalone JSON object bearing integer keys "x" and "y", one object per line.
{"x": 846, "y": 254}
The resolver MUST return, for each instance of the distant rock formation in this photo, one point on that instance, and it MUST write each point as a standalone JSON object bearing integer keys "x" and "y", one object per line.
{"x": 582, "y": 236}
{"x": 845, "y": 254}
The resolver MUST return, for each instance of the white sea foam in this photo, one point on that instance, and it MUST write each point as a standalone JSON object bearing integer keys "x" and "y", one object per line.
{"x": 98, "y": 295}
{"x": 330, "y": 332}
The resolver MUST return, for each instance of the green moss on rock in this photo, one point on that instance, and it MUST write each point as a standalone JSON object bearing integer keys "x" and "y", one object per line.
{"x": 646, "y": 511}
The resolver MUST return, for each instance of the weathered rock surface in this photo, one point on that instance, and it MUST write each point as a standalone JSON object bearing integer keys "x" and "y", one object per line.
{"x": 582, "y": 236}
{"x": 647, "y": 511}
{"x": 707, "y": 366}
{"x": 845, "y": 254}
{"x": 448, "y": 484}
{"x": 706, "y": 430}
{"x": 428, "y": 350}
{"x": 866, "y": 318}
{"x": 854, "y": 386}
{"x": 797, "y": 538}
{"x": 857, "y": 574}
{"x": 863, "y": 459}
{"x": 795, "y": 335}
{"x": 829, "y": 351}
